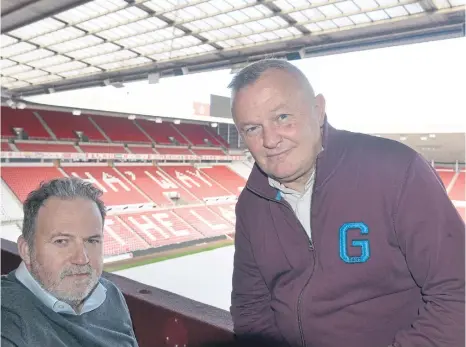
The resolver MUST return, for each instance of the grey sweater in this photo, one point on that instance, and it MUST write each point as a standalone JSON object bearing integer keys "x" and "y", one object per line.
{"x": 26, "y": 321}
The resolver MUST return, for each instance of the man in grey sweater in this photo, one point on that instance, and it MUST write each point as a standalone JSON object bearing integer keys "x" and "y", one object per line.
{"x": 56, "y": 297}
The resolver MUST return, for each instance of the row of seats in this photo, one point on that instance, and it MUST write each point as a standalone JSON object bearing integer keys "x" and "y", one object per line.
{"x": 39, "y": 124}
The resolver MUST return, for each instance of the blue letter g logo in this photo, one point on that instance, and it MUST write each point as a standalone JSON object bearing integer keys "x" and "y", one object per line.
{"x": 363, "y": 244}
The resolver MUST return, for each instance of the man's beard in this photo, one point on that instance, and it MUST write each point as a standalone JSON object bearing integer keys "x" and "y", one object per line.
{"x": 53, "y": 283}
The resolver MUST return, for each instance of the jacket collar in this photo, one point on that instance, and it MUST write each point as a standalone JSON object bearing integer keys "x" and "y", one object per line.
{"x": 326, "y": 163}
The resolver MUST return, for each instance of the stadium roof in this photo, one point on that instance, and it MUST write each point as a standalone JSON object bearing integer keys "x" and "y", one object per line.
{"x": 49, "y": 45}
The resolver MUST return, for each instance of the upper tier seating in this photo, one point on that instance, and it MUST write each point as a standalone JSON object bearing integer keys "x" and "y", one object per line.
{"x": 23, "y": 180}
{"x": 161, "y": 228}
{"x": 45, "y": 147}
{"x": 117, "y": 190}
{"x": 24, "y": 119}
{"x": 226, "y": 177}
{"x": 161, "y": 132}
{"x": 120, "y": 129}
{"x": 156, "y": 184}
{"x": 195, "y": 181}
{"x": 65, "y": 125}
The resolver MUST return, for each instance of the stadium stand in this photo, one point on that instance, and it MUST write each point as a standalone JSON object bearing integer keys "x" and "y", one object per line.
{"x": 66, "y": 126}
{"x": 149, "y": 205}
{"x": 121, "y": 129}
{"x": 44, "y": 147}
{"x": 24, "y": 119}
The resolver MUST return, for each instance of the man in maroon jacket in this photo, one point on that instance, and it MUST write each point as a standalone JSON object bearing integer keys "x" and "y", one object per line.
{"x": 342, "y": 239}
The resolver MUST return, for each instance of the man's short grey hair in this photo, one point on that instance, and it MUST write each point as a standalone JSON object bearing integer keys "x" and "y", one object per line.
{"x": 251, "y": 73}
{"x": 66, "y": 188}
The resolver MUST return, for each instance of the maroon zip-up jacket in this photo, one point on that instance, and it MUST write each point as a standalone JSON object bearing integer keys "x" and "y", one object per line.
{"x": 386, "y": 264}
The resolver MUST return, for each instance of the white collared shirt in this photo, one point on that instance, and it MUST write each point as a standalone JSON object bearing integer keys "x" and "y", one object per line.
{"x": 93, "y": 301}
{"x": 299, "y": 202}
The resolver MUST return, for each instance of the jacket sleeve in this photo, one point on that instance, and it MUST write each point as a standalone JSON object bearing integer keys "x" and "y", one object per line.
{"x": 430, "y": 233}
{"x": 253, "y": 318}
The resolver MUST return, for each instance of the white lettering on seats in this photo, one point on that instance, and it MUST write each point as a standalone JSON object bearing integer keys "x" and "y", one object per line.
{"x": 109, "y": 230}
{"x": 161, "y": 218}
{"x": 149, "y": 225}
{"x": 164, "y": 183}
{"x": 206, "y": 222}
{"x": 91, "y": 180}
{"x": 185, "y": 178}
{"x": 228, "y": 214}
{"x": 199, "y": 175}
{"x": 131, "y": 175}
{"x": 111, "y": 180}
